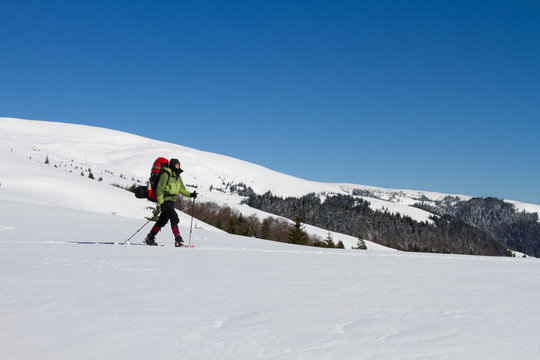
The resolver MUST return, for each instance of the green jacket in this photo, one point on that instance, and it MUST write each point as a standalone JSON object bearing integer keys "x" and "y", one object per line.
{"x": 169, "y": 186}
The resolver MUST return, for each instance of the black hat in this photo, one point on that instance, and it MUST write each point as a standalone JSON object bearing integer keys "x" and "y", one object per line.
{"x": 172, "y": 166}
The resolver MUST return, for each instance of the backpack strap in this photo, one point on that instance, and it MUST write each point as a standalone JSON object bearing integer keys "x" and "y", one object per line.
{"x": 165, "y": 172}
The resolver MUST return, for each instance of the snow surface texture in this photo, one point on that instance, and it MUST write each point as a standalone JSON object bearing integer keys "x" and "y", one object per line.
{"x": 71, "y": 290}
{"x": 233, "y": 297}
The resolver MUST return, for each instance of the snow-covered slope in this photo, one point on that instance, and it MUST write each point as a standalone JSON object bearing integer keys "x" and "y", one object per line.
{"x": 71, "y": 290}
{"x": 72, "y": 152}
{"x": 107, "y": 151}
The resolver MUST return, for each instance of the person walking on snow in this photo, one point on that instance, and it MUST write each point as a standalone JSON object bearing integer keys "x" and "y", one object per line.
{"x": 169, "y": 186}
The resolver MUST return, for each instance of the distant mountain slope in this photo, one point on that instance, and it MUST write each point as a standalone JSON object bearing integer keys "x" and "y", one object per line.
{"x": 345, "y": 214}
{"x": 518, "y": 229}
{"x": 131, "y": 154}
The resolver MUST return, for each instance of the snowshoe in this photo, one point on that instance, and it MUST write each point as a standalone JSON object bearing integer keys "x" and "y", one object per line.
{"x": 178, "y": 242}
{"x": 150, "y": 240}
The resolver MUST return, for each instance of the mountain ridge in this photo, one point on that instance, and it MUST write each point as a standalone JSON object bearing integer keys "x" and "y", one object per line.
{"x": 219, "y": 174}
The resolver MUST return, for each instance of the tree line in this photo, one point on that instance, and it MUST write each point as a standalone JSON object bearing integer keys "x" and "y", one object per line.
{"x": 353, "y": 216}
{"x": 519, "y": 230}
{"x": 270, "y": 228}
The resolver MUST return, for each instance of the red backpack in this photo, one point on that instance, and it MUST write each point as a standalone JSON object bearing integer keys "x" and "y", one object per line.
{"x": 149, "y": 192}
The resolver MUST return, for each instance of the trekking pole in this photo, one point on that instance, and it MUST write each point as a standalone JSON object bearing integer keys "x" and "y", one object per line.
{"x": 127, "y": 241}
{"x": 191, "y": 226}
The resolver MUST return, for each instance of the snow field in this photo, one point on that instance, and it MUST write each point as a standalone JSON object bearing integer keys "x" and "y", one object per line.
{"x": 233, "y": 297}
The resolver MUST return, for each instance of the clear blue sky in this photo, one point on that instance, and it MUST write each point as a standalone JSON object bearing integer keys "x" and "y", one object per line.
{"x": 430, "y": 95}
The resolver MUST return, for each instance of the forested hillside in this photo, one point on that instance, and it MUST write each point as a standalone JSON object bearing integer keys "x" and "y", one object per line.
{"x": 519, "y": 230}
{"x": 353, "y": 216}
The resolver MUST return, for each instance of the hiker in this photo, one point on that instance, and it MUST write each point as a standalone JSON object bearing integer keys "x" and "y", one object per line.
{"x": 170, "y": 185}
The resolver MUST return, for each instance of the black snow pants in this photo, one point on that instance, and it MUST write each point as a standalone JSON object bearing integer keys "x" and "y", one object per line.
{"x": 167, "y": 213}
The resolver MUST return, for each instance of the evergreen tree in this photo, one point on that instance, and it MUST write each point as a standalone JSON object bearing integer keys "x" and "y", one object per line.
{"x": 155, "y": 212}
{"x": 329, "y": 242}
{"x": 361, "y": 245}
{"x": 241, "y": 225}
{"x": 218, "y": 224}
{"x": 232, "y": 228}
{"x": 265, "y": 230}
{"x": 297, "y": 234}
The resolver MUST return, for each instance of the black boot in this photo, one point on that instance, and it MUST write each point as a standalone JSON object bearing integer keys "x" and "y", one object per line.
{"x": 150, "y": 239}
{"x": 178, "y": 242}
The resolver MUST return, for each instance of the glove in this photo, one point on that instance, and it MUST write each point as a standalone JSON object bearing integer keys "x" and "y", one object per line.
{"x": 193, "y": 195}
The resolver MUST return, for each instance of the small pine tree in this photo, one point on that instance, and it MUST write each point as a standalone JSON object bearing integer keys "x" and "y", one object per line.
{"x": 297, "y": 234}
{"x": 232, "y": 228}
{"x": 340, "y": 245}
{"x": 265, "y": 229}
{"x": 250, "y": 231}
{"x": 90, "y": 175}
{"x": 47, "y": 160}
{"x": 361, "y": 245}
{"x": 329, "y": 242}
{"x": 155, "y": 212}
{"x": 218, "y": 224}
